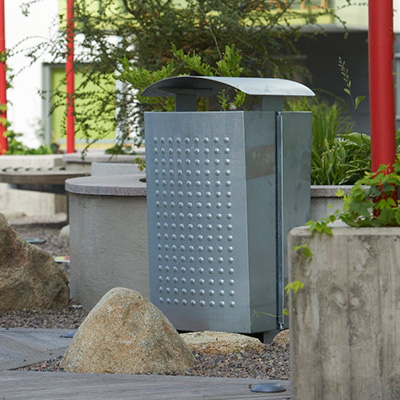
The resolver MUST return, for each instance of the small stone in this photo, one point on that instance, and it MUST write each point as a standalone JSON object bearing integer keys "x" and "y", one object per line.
{"x": 282, "y": 337}
{"x": 29, "y": 276}
{"x": 210, "y": 342}
{"x": 126, "y": 334}
{"x": 64, "y": 232}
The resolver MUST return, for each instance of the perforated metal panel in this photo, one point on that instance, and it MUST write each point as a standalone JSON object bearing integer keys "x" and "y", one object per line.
{"x": 211, "y": 216}
{"x": 223, "y": 190}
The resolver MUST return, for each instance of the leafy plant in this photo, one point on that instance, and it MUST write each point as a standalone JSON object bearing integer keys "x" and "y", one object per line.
{"x": 228, "y": 65}
{"x": 346, "y": 77}
{"x": 372, "y": 202}
{"x": 305, "y": 254}
{"x": 16, "y": 147}
{"x": 141, "y": 31}
{"x": 140, "y": 78}
{"x": 338, "y": 155}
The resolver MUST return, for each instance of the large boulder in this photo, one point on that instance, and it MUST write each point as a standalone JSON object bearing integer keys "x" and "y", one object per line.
{"x": 124, "y": 333}
{"x": 211, "y": 342}
{"x": 29, "y": 276}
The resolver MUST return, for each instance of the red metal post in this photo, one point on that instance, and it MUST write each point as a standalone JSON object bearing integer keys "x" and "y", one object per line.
{"x": 3, "y": 83}
{"x": 70, "y": 77}
{"x": 381, "y": 83}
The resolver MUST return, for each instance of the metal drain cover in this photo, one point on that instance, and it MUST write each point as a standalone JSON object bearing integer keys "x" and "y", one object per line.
{"x": 268, "y": 388}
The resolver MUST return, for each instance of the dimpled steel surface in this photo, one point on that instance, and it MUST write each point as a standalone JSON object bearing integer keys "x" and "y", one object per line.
{"x": 211, "y": 199}
{"x": 198, "y": 232}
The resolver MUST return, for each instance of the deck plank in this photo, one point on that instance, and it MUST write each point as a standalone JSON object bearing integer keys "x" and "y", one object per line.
{"x": 50, "y": 385}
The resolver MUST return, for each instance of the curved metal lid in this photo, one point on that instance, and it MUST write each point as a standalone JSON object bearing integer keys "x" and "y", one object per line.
{"x": 205, "y": 86}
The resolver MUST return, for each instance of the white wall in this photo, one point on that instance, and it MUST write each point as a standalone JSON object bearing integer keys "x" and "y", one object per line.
{"x": 396, "y": 22}
{"x": 25, "y": 109}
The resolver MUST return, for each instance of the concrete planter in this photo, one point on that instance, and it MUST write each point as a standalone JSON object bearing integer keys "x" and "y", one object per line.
{"x": 345, "y": 323}
{"x": 324, "y": 200}
{"x": 108, "y": 236}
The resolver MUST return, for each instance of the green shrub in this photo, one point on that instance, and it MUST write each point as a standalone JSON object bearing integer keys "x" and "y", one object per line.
{"x": 16, "y": 147}
{"x": 339, "y": 156}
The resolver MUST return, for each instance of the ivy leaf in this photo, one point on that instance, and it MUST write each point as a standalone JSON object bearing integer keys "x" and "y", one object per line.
{"x": 387, "y": 203}
{"x": 295, "y": 286}
{"x": 358, "y": 101}
{"x": 340, "y": 193}
{"x": 387, "y": 187}
{"x": 304, "y": 249}
{"x": 385, "y": 217}
{"x": 361, "y": 208}
{"x": 320, "y": 226}
{"x": 357, "y": 193}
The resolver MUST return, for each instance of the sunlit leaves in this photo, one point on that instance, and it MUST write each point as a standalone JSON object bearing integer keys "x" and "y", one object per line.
{"x": 295, "y": 286}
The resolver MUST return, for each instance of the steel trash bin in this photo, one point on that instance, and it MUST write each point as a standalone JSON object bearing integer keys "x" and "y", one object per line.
{"x": 223, "y": 190}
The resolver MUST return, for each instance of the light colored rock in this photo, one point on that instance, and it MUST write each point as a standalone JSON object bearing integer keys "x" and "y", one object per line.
{"x": 210, "y": 342}
{"x": 124, "y": 333}
{"x": 29, "y": 276}
{"x": 64, "y": 232}
{"x": 282, "y": 337}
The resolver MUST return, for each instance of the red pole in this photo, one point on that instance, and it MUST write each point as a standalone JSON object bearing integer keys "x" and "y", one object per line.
{"x": 3, "y": 83}
{"x": 70, "y": 77}
{"x": 381, "y": 84}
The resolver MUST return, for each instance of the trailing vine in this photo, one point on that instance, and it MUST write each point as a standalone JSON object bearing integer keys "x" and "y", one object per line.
{"x": 372, "y": 202}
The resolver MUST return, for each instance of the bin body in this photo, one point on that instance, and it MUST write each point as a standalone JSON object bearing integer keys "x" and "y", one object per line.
{"x": 218, "y": 186}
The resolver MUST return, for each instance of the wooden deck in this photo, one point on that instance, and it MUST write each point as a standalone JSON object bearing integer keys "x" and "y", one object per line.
{"x": 51, "y": 385}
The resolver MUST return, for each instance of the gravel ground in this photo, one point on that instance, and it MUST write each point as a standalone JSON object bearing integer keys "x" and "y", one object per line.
{"x": 271, "y": 363}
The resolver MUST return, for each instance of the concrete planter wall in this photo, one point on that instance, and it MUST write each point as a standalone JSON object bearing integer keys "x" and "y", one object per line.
{"x": 345, "y": 323}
